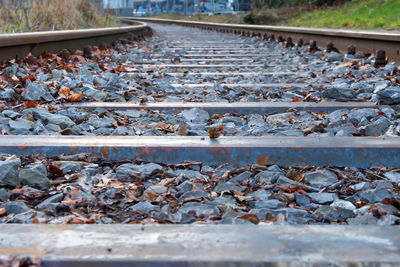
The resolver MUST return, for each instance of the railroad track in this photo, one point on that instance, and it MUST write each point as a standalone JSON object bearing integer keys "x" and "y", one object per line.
{"x": 196, "y": 126}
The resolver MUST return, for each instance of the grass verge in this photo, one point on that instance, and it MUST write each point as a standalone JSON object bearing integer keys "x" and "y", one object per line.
{"x": 45, "y": 15}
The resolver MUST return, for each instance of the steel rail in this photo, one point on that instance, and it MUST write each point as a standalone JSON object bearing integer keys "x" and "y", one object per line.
{"x": 362, "y": 152}
{"x": 236, "y": 107}
{"x": 367, "y": 41}
{"x": 20, "y": 44}
{"x": 201, "y": 245}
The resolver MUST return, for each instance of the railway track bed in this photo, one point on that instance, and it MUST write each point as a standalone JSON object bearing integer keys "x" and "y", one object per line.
{"x": 192, "y": 126}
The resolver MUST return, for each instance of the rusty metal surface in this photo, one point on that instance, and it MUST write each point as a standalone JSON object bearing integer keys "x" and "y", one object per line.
{"x": 20, "y": 44}
{"x": 367, "y": 41}
{"x": 202, "y": 245}
{"x": 236, "y": 107}
{"x": 285, "y": 151}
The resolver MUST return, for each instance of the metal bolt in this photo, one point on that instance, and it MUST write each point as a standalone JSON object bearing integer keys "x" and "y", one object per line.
{"x": 331, "y": 48}
{"x": 289, "y": 42}
{"x": 351, "y": 50}
{"x": 87, "y": 51}
{"x": 65, "y": 54}
{"x": 103, "y": 46}
{"x": 265, "y": 37}
{"x": 272, "y": 37}
{"x": 313, "y": 46}
{"x": 31, "y": 60}
{"x": 380, "y": 59}
{"x": 300, "y": 42}
{"x": 280, "y": 39}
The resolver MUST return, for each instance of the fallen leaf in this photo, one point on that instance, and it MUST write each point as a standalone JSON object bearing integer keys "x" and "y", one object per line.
{"x": 296, "y": 99}
{"x": 182, "y": 130}
{"x": 299, "y": 177}
{"x": 75, "y": 97}
{"x": 30, "y": 104}
{"x": 152, "y": 195}
{"x": 64, "y": 91}
{"x": 169, "y": 128}
{"x": 215, "y": 132}
{"x": 380, "y": 112}
{"x": 55, "y": 170}
{"x": 30, "y": 77}
{"x": 251, "y": 218}
{"x": 3, "y": 212}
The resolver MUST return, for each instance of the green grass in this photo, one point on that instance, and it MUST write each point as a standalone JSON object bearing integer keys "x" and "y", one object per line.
{"x": 365, "y": 14}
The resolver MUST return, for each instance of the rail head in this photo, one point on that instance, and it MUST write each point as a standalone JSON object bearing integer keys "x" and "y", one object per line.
{"x": 16, "y": 39}
{"x": 360, "y": 34}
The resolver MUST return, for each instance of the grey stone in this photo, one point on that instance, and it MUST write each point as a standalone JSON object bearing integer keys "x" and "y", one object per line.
{"x": 144, "y": 207}
{"x": 343, "y": 204}
{"x": 143, "y": 170}
{"x": 378, "y": 127}
{"x": 34, "y": 178}
{"x": 73, "y": 113}
{"x": 389, "y": 95}
{"x": 292, "y": 216}
{"x": 194, "y": 194}
{"x": 363, "y": 220}
{"x": 15, "y": 207}
{"x": 362, "y": 186}
{"x": 51, "y": 202}
{"x": 279, "y": 118}
{"x": 323, "y": 198}
{"x": 38, "y": 167}
{"x": 393, "y": 176}
{"x": 241, "y": 177}
{"x": 20, "y": 125}
{"x": 355, "y": 116}
{"x": 10, "y": 113}
{"x": 35, "y": 91}
{"x": 185, "y": 186}
{"x": 4, "y": 195}
{"x": 260, "y": 194}
{"x": 269, "y": 176}
{"x": 132, "y": 113}
{"x": 382, "y": 184}
{"x": 6, "y": 93}
{"x": 340, "y": 93}
{"x": 374, "y": 195}
{"x": 205, "y": 210}
{"x": 269, "y": 204}
{"x": 182, "y": 217}
{"x": 228, "y": 187}
{"x": 195, "y": 115}
{"x": 70, "y": 167}
{"x": 9, "y": 170}
{"x": 224, "y": 200}
{"x": 190, "y": 174}
{"x": 332, "y": 214}
{"x": 302, "y": 200}
{"x": 157, "y": 189}
{"x": 286, "y": 181}
{"x": 320, "y": 179}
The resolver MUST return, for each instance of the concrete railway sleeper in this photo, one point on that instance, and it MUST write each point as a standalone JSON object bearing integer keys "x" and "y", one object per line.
{"x": 243, "y": 136}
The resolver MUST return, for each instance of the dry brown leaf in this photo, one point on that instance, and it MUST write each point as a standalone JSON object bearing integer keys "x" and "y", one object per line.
{"x": 152, "y": 195}
{"x": 215, "y": 132}
{"x": 55, "y": 170}
{"x": 299, "y": 177}
{"x": 64, "y": 91}
{"x": 75, "y": 97}
{"x": 251, "y": 218}
{"x": 182, "y": 131}
{"x": 169, "y": 128}
{"x": 3, "y": 212}
{"x": 30, "y": 104}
